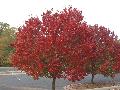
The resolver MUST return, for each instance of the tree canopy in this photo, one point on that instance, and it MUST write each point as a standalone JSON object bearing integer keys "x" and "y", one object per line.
{"x": 62, "y": 45}
{"x": 7, "y": 35}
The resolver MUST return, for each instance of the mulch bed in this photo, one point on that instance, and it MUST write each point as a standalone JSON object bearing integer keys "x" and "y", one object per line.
{"x": 91, "y": 86}
{"x": 84, "y": 86}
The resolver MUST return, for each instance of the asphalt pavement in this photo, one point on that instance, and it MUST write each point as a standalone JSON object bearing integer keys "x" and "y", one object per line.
{"x": 20, "y": 81}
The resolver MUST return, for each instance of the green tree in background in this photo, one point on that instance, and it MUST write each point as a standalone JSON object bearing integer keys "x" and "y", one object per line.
{"x": 7, "y": 35}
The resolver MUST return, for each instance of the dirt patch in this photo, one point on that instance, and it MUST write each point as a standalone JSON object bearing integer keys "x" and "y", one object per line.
{"x": 87, "y": 86}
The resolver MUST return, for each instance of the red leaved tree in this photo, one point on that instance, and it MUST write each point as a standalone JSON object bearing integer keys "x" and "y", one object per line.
{"x": 103, "y": 52}
{"x": 61, "y": 45}
{"x": 46, "y": 48}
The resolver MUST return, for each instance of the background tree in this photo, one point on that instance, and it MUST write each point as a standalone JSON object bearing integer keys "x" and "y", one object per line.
{"x": 7, "y": 35}
{"x": 103, "y": 53}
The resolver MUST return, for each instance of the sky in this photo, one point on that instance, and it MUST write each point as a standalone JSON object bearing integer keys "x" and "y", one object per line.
{"x": 101, "y": 12}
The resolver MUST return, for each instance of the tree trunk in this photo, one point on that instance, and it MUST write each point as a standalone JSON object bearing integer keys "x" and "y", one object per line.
{"x": 92, "y": 72}
{"x": 53, "y": 84}
{"x": 92, "y": 79}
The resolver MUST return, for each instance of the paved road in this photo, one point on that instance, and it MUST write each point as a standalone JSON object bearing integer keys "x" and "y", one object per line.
{"x": 19, "y": 88}
{"x": 23, "y": 82}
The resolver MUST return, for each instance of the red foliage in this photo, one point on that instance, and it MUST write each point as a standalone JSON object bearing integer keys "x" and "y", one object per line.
{"x": 106, "y": 51}
{"x": 44, "y": 48}
{"x": 61, "y": 45}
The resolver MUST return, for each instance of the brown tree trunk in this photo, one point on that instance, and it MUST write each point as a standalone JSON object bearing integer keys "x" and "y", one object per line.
{"x": 53, "y": 84}
{"x": 92, "y": 79}
{"x": 92, "y": 72}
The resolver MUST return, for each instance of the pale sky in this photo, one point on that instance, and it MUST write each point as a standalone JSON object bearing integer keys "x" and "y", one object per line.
{"x": 102, "y": 12}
